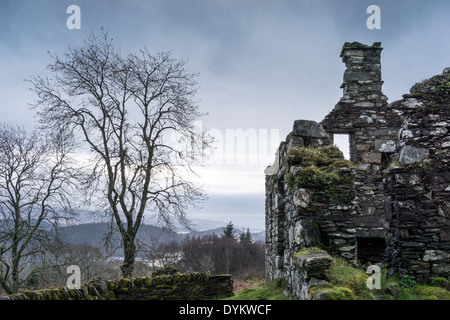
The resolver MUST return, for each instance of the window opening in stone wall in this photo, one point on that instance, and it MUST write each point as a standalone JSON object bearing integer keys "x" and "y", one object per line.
{"x": 370, "y": 249}
{"x": 342, "y": 141}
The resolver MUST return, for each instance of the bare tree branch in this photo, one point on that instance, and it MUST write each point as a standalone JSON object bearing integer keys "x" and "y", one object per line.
{"x": 126, "y": 109}
{"x": 36, "y": 185}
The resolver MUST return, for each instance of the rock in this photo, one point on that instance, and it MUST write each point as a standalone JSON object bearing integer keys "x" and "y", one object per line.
{"x": 365, "y": 104}
{"x": 302, "y": 198}
{"x": 273, "y": 169}
{"x": 314, "y": 282}
{"x": 306, "y": 233}
{"x": 412, "y": 103}
{"x": 294, "y": 141}
{"x": 384, "y": 145}
{"x": 410, "y": 155}
{"x": 333, "y": 293}
{"x": 310, "y": 129}
{"x": 371, "y": 157}
{"x": 393, "y": 289}
{"x": 435, "y": 255}
{"x": 314, "y": 264}
{"x": 364, "y": 119}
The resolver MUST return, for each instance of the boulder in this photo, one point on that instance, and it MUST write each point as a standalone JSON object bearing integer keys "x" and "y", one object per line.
{"x": 309, "y": 129}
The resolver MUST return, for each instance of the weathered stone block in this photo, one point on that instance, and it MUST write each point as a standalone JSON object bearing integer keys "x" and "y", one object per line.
{"x": 419, "y": 266}
{"x": 363, "y": 119}
{"x": 435, "y": 255}
{"x": 410, "y": 155}
{"x": 371, "y": 157}
{"x": 310, "y": 129}
{"x": 306, "y": 233}
{"x": 365, "y": 104}
{"x": 357, "y": 53}
{"x": 314, "y": 264}
{"x": 382, "y": 145}
{"x": 302, "y": 198}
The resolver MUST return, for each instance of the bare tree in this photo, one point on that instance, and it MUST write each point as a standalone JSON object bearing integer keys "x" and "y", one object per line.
{"x": 160, "y": 254}
{"x": 218, "y": 254}
{"x": 35, "y": 183}
{"x": 126, "y": 109}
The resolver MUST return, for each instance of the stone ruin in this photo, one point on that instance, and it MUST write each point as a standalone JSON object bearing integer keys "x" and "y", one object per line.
{"x": 389, "y": 203}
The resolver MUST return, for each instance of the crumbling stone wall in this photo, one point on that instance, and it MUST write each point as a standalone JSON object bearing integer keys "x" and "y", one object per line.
{"x": 418, "y": 183}
{"x": 391, "y": 203}
{"x": 309, "y": 201}
{"x": 193, "y": 286}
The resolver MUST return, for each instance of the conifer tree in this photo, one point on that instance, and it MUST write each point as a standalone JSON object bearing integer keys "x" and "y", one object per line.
{"x": 246, "y": 237}
{"x": 228, "y": 231}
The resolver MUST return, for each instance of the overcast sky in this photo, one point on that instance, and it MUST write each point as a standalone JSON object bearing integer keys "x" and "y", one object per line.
{"x": 262, "y": 65}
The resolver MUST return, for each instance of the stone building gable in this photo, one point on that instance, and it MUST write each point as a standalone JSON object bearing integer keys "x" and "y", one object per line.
{"x": 390, "y": 203}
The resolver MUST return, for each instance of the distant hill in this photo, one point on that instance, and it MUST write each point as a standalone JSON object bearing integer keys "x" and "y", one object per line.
{"x": 93, "y": 234}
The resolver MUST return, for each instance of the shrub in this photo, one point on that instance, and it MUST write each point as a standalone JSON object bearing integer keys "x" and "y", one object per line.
{"x": 407, "y": 282}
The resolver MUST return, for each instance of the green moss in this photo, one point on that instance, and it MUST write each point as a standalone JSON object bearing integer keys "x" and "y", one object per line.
{"x": 169, "y": 270}
{"x": 319, "y": 169}
{"x": 440, "y": 282}
{"x": 320, "y": 156}
{"x": 123, "y": 283}
{"x": 333, "y": 293}
{"x": 309, "y": 250}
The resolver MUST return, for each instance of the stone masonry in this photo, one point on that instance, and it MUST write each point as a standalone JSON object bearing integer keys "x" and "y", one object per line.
{"x": 390, "y": 203}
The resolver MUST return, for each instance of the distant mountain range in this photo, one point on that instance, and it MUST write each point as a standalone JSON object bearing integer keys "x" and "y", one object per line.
{"x": 93, "y": 233}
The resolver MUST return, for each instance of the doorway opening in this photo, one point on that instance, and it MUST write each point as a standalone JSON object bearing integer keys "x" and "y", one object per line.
{"x": 370, "y": 249}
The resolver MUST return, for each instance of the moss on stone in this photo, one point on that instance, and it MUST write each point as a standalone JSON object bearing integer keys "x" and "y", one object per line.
{"x": 309, "y": 250}
{"x": 320, "y": 156}
{"x": 440, "y": 282}
{"x": 438, "y": 85}
{"x": 331, "y": 293}
{"x": 318, "y": 167}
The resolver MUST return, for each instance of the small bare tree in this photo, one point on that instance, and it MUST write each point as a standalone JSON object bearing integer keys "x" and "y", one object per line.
{"x": 35, "y": 183}
{"x": 160, "y": 254}
{"x": 126, "y": 109}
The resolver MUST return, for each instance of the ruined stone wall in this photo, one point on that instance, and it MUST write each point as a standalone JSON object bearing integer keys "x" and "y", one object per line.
{"x": 418, "y": 183}
{"x": 309, "y": 202}
{"x": 390, "y": 203}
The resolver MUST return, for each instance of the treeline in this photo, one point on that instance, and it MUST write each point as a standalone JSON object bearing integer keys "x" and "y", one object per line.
{"x": 219, "y": 255}
{"x": 226, "y": 253}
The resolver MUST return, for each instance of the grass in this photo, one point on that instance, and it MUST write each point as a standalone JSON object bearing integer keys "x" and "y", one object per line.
{"x": 409, "y": 290}
{"x": 258, "y": 290}
{"x": 342, "y": 274}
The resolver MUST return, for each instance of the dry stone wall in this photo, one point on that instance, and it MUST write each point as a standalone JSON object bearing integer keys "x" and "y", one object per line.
{"x": 193, "y": 286}
{"x": 390, "y": 203}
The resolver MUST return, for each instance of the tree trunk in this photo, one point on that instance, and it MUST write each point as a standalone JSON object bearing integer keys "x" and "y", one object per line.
{"x": 129, "y": 250}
